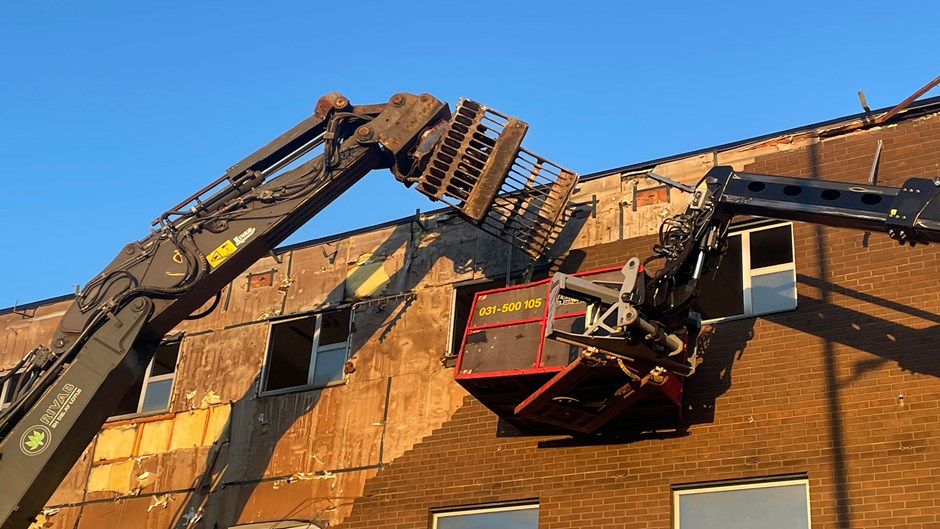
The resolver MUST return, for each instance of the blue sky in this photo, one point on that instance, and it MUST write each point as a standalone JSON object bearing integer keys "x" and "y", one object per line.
{"x": 114, "y": 111}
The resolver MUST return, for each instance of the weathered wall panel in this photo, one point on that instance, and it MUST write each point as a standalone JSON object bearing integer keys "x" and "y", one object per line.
{"x": 317, "y": 276}
{"x": 443, "y": 253}
{"x": 401, "y": 335}
{"x": 19, "y": 334}
{"x": 221, "y": 366}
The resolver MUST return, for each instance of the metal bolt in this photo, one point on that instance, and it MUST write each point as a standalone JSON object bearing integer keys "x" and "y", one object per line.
{"x": 129, "y": 249}
{"x": 364, "y": 132}
{"x": 59, "y": 343}
{"x": 138, "y": 305}
{"x": 398, "y": 100}
{"x": 341, "y": 102}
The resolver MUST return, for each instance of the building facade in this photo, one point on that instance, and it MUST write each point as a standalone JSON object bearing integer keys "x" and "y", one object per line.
{"x": 320, "y": 392}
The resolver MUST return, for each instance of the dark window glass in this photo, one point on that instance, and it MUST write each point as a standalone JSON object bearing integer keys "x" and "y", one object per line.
{"x": 334, "y": 328}
{"x": 289, "y": 353}
{"x": 772, "y": 246}
{"x": 293, "y": 344}
{"x": 721, "y": 294}
{"x": 164, "y": 360}
{"x": 463, "y": 303}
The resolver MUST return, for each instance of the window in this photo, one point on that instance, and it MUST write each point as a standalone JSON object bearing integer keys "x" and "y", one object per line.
{"x": 757, "y": 273}
{"x": 770, "y": 504}
{"x": 152, "y": 394}
{"x": 460, "y": 313}
{"x": 503, "y": 517}
{"x": 307, "y": 353}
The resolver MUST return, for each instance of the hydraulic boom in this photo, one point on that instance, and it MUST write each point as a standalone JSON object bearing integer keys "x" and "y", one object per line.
{"x": 471, "y": 159}
{"x": 649, "y": 316}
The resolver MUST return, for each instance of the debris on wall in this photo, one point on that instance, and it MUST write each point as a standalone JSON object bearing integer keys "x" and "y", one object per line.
{"x": 44, "y": 519}
{"x": 160, "y": 501}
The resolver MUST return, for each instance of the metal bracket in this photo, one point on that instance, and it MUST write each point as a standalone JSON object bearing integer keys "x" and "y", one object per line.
{"x": 613, "y": 324}
{"x": 25, "y": 313}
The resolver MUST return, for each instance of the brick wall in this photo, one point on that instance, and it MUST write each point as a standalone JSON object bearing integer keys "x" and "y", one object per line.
{"x": 844, "y": 389}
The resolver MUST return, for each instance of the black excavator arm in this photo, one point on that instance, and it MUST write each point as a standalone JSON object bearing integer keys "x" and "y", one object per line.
{"x": 649, "y": 315}
{"x": 471, "y": 159}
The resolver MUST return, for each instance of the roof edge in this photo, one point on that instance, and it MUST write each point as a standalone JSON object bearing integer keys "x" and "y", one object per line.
{"x": 915, "y": 109}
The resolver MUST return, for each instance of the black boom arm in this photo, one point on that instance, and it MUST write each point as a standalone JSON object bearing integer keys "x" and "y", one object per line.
{"x": 472, "y": 159}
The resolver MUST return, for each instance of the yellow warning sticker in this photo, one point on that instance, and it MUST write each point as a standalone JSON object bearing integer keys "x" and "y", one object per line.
{"x": 219, "y": 254}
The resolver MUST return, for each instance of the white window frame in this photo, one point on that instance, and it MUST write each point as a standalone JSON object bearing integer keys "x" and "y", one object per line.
{"x": 148, "y": 378}
{"x": 314, "y": 352}
{"x": 762, "y": 484}
{"x": 435, "y": 516}
{"x": 744, "y": 230}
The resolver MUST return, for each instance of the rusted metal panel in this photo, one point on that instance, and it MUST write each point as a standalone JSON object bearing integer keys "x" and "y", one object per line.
{"x": 308, "y": 431}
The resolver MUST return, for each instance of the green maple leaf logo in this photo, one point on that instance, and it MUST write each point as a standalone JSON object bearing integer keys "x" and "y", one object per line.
{"x": 35, "y": 440}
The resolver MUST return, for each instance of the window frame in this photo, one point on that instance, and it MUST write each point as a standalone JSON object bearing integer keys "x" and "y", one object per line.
{"x": 314, "y": 352}
{"x": 747, "y": 273}
{"x": 148, "y": 378}
{"x": 472, "y": 286}
{"x": 733, "y": 485}
{"x": 481, "y": 509}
